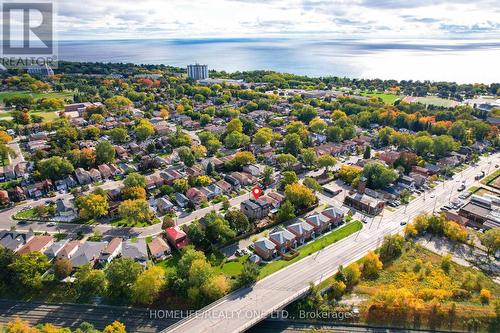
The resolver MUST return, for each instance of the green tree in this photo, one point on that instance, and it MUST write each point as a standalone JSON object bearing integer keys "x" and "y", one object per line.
{"x": 491, "y": 240}
{"x": 308, "y": 156}
{"x": 135, "y": 211}
{"x": 423, "y": 145}
{"x": 104, "y": 153}
{"x": 289, "y": 177}
{"x": 267, "y": 175}
{"x": 263, "y": 136}
{"x": 326, "y": 161}
{"x": 121, "y": 274}
{"x": 293, "y": 143}
{"x": 62, "y": 268}
{"x": 217, "y": 228}
{"x": 249, "y": 274}
{"x": 27, "y": 270}
{"x": 144, "y": 130}
{"x": 286, "y": 212}
{"x": 92, "y": 206}
{"x": 391, "y": 248}
{"x": 367, "y": 153}
{"x": 237, "y": 220}
{"x": 186, "y": 156}
{"x": 378, "y": 176}
{"x": 443, "y": 145}
{"x": 236, "y": 140}
{"x": 299, "y": 195}
{"x": 89, "y": 282}
{"x": 148, "y": 285}
{"x": 135, "y": 179}
{"x": 55, "y": 168}
{"x": 235, "y": 125}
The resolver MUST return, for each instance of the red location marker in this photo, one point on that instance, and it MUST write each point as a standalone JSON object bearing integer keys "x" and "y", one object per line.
{"x": 256, "y": 191}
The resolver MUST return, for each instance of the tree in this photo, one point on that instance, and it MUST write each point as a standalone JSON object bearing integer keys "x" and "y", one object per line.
{"x": 241, "y": 159}
{"x": 485, "y": 296}
{"x": 235, "y": 125}
{"x": 491, "y": 240}
{"x": 181, "y": 185}
{"x": 135, "y": 179}
{"x": 286, "y": 212}
{"x": 118, "y": 104}
{"x": 104, "y": 153}
{"x": 89, "y": 282}
{"x": 306, "y": 114}
{"x": 312, "y": 184}
{"x": 443, "y": 145}
{"x": 236, "y": 140}
{"x": 293, "y": 143}
{"x": 267, "y": 175}
{"x": 384, "y": 136}
{"x": 148, "y": 285}
{"x": 368, "y": 153}
{"x": 199, "y": 151}
{"x": 263, "y": 136}
{"x": 62, "y": 268}
{"x": 348, "y": 173}
{"x": 135, "y": 211}
{"x": 20, "y": 326}
{"x": 168, "y": 222}
{"x": 337, "y": 289}
{"x": 237, "y": 220}
{"x": 92, "y": 206}
{"x": 4, "y": 137}
{"x": 203, "y": 181}
{"x": 215, "y": 287}
{"x": 249, "y": 274}
{"x": 317, "y": 125}
{"x": 55, "y": 168}
{"x": 352, "y": 274}
{"x": 217, "y": 228}
{"x": 299, "y": 195}
{"x": 326, "y": 161}
{"x": 115, "y": 327}
{"x": 289, "y": 177}
{"x": 391, "y": 248}
{"x": 6, "y": 152}
{"x": 334, "y": 133}
{"x": 144, "y": 130}
{"x": 133, "y": 193}
{"x": 455, "y": 232}
{"x": 308, "y": 156}
{"x": 286, "y": 161}
{"x": 423, "y": 145}
{"x": 121, "y": 274}
{"x": 118, "y": 135}
{"x": 371, "y": 265}
{"x": 186, "y": 156}
{"x": 27, "y": 270}
{"x": 378, "y": 176}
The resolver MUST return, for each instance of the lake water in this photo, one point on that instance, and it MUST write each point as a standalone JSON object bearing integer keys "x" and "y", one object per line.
{"x": 464, "y": 61}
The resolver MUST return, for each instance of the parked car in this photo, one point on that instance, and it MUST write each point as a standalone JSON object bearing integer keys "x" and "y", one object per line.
{"x": 461, "y": 188}
{"x": 51, "y": 224}
{"x": 402, "y": 223}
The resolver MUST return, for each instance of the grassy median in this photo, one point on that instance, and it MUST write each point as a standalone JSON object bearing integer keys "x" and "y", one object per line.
{"x": 312, "y": 247}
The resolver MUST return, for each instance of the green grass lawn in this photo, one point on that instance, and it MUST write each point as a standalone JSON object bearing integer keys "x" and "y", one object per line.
{"x": 437, "y": 101}
{"x": 36, "y": 96}
{"x": 123, "y": 222}
{"x": 27, "y": 214}
{"x": 233, "y": 268}
{"x": 491, "y": 177}
{"x": 387, "y": 98}
{"x": 312, "y": 247}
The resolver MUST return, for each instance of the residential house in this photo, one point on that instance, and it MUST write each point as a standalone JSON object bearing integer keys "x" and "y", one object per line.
{"x": 111, "y": 251}
{"x": 181, "y": 199}
{"x": 389, "y": 156}
{"x": 135, "y": 249}
{"x": 233, "y": 181}
{"x": 158, "y": 249}
{"x": 105, "y": 171}
{"x": 87, "y": 253}
{"x": 265, "y": 248}
{"x": 14, "y": 240}
{"x": 95, "y": 175}
{"x": 319, "y": 222}
{"x": 53, "y": 250}
{"x": 83, "y": 176}
{"x": 195, "y": 196}
{"x": 163, "y": 205}
{"x": 336, "y": 215}
{"x": 211, "y": 191}
{"x": 176, "y": 237}
{"x": 364, "y": 203}
{"x": 302, "y": 231}
{"x": 284, "y": 240}
{"x": 68, "y": 250}
{"x": 224, "y": 186}
{"x": 65, "y": 209}
{"x": 255, "y": 208}
{"x": 37, "y": 244}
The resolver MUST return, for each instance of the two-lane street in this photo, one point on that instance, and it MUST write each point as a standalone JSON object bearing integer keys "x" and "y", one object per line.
{"x": 243, "y": 308}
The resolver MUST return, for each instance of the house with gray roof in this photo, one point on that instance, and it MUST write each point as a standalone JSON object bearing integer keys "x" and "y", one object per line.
{"x": 87, "y": 253}
{"x": 136, "y": 249}
{"x": 319, "y": 222}
{"x": 14, "y": 240}
{"x": 265, "y": 248}
{"x": 284, "y": 240}
{"x": 55, "y": 248}
{"x": 302, "y": 231}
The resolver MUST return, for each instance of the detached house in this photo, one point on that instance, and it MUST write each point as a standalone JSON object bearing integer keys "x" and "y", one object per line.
{"x": 265, "y": 248}
{"x": 176, "y": 237}
{"x": 158, "y": 249}
{"x": 284, "y": 240}
{"x": 87, "y": 253}
{"x": 255, "y": 208}
{"x": 111, "y": 251}
{"x": 37, "y": 244}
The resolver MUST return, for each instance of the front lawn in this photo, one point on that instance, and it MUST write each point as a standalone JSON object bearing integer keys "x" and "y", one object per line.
{"x": 124, "y": 222}
{"x": 312, "y": 247}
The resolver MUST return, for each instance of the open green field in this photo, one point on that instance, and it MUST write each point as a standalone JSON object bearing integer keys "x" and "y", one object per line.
{"x": 387, "y": 98}
{"x": 437, "y": 101}
{"x": 312, "y": 247}
{"x": 36, "y": 96}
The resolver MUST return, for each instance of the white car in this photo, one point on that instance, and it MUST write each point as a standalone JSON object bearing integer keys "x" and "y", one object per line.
{"x": 51, "y": 224}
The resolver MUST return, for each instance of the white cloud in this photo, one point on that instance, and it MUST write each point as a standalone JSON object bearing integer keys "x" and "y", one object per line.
{"x": 98, "y": 19}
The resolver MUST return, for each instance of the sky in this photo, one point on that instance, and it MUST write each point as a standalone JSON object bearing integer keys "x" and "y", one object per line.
{"x": 141, "y": 19}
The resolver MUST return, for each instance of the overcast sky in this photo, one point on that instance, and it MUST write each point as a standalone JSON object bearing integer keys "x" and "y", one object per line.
{"x": 110, "y": 19}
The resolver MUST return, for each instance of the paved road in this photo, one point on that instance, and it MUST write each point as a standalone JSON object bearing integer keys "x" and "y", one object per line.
{"x": 244, "y": 308}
